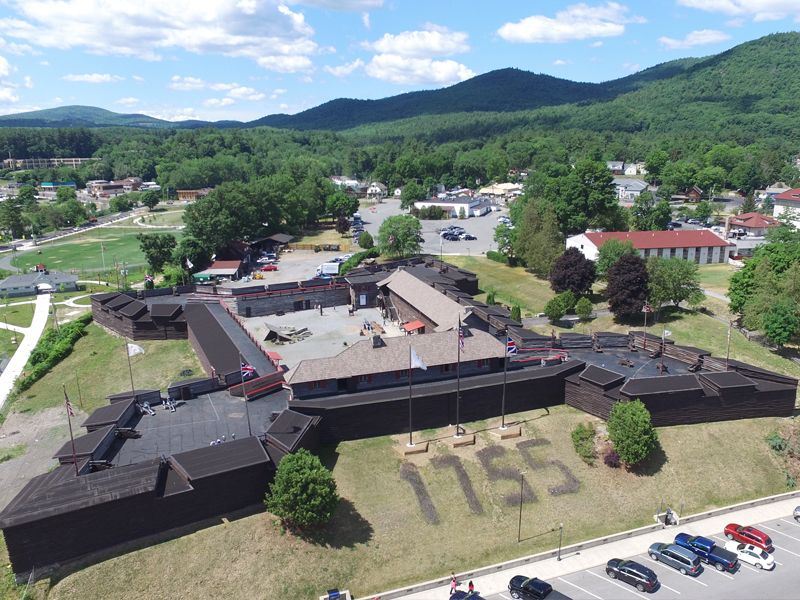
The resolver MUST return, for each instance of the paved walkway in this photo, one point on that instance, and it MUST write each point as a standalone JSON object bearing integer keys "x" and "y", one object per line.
{"x": 717, "y": 295}
{"x": 26, "y": 346}
{"x": 551, "y": 568}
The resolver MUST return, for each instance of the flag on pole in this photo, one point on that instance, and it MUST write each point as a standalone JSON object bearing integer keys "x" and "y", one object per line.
{"x": 248, "y": 370}
{"x": 189, "y": 264}
{"x": 68, "y": 404}
{"x": 647, "y": 308}
{"x": 511, "y": 347}
{"x": 460, "y": 336}
{"x": 416, "y": 361}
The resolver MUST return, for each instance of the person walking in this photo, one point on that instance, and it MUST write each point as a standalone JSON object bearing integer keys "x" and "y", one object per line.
{"x": 471, "y": 587}
{"x": 453, "y": 583}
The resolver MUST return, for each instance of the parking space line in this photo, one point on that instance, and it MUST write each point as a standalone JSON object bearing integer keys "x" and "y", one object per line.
{"x": 715, "y": 570}
{"x": 750, "y": 567}
{"x": 795, "y": 523}
{"x": 655, "y": 562}
{"x": 580, "y": 588}
{"x": 504, "y": 597}
{"x": 779, "y": 531}
{"x": 616, "y": 583}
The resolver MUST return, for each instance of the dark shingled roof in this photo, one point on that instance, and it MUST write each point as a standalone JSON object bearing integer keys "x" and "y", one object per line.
{"x": 601, "y": 377}
{"x": 167, "y": 311}
{"x": 107, "y": 415}
{"x": 85, "y": 445}
{"x": 133, "y": 309}
{"x": 279, "y": 287}
{"x": 660, "y": 385}
{"x": 119, "y": 302}
{"x": 60, "y": 492}
{"x": 104, "y": 297}
{"x": 213, "y": 339}
{"x": 287, "y": 431}
{"x": 727, "y": 379}
{"x": 128, "y": 394}
{"x": 212, "y": 460}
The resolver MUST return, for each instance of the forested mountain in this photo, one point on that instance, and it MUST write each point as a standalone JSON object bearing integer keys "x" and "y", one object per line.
{"x": 79, "y": 116}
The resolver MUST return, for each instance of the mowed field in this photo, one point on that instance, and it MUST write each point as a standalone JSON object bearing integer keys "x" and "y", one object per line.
{"x": 82, "y": 252}
{"x": 716, "y": 277}
{"x": 381, "y": 538}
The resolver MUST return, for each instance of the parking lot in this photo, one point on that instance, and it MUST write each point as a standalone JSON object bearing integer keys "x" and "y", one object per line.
{"x": 748, "y": 582}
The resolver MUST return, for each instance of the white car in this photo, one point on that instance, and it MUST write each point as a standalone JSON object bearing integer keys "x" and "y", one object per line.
{"x": 752, "y": 555}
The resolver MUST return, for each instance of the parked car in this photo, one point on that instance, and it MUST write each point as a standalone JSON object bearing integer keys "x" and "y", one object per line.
{"x": 693, "y": 222}
{"x": 750, "y": 554}
{"x": 450, "y": 237}
{"x": 685, "y": 561}
{"x": 462, "y": 595}
{"x": 676, "y": 224}
{"x": 528, "y": 588}
{"x": 633, "y": 573}
{"x": 749, "y": 535}
{"x": 796, "y": 513}
{"x": 271, "y": 267}
{"x": 708, "y": 551}
{"x": 467, "y": 236}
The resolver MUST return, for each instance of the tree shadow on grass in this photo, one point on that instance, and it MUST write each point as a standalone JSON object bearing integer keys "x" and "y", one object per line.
{"x": 652, "y": 464}
{"x": 329, "y": 456}
{"x": 345, "y": 530}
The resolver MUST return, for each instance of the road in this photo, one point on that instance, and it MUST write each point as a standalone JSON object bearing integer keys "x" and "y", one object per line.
{"x": 26, "y": 346}
{"x": 581, "y": 575}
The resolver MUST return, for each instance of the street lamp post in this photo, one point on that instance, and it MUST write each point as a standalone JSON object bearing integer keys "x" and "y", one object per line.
{"x": 560, "y": 539}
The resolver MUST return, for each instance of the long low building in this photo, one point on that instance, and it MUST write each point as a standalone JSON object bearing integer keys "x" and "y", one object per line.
{"x": 702, "y": 246}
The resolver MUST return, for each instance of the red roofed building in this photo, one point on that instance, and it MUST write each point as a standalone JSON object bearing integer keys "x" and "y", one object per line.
{"x": 753, "y": 223}
{"x": 788, "y": 202}
{"x": 699, "y": 245}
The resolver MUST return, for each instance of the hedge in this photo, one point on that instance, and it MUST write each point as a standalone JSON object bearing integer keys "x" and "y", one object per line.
{"x": 53, "y": 347}
{"x": 497, "y": 256}
{"x": 355, "y": 260}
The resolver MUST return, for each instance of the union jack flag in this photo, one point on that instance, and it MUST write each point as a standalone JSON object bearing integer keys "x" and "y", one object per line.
{"x": 248, "y": 370}
{"x": 511, "y": 347}
{"x": 148, "y": 278}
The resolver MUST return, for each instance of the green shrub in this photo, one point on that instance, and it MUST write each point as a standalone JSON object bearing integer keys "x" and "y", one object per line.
{"x": 490, "y": 299}
{"x": 366, "y": 241}
{"x": 554, "y": 309}
{"x": 496, "y": 256}
{"x": 630, "y": 429}
{"x": 516, "y": 313}
{"x": 583, "y": 308}
{"x": 355, "y": 260}
{"x": 583, "y": 442}
{"x": 776, "y": 442}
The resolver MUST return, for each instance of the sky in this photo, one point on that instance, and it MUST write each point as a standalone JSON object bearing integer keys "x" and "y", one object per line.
{"x": 244, "y": 59}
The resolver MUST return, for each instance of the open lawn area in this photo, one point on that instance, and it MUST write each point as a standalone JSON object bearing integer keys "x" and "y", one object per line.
{"x": 7, "y": 345}
{"x": 99, "y": 365}
{"x": 20, "y": 315}
{"x": 325, "y": 236}
{"x": 512, "y": 285}
{"x": 381, "y": 538}
{"x": 716, "y": 277}
{"x": 169, "y": 217}
{"x": 82, "y": 252}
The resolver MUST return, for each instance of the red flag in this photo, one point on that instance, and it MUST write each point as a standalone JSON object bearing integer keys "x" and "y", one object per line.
{"x": 68, "y": 405}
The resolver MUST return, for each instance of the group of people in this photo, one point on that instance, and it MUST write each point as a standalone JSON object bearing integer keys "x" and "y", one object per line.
{"x": 454, "y": 584}
{"x": 221, "y": 440}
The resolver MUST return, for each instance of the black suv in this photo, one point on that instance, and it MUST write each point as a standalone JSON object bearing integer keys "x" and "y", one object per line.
{"x": 629, "y": 571}
{"x": 529, "y": 588}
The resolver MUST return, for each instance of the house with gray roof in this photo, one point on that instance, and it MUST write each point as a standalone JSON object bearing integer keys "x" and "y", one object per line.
{"x": 31, "y": 284}
{"x": 384, "y": 362}
{"x": 629, "y": 189}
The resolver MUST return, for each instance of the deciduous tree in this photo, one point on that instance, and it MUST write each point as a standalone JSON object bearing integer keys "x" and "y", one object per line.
{"x": 157, "y": 248}
{"x": 631, "y": 431}
{"x": 303, "y": 494}
{"x": 366, "y": 241}
{"x": 398, "y": 236}
{"x": 574, "y": 272}
{"x": 673, "y": 280}
{"x": 627, "y": 286}
{"x": 649, "y": 214}
{"x": 781, "y": 322}
{"x": 583, "y": 308}
{"x": 610, "y": 253}
{"x": 150, "y": 199}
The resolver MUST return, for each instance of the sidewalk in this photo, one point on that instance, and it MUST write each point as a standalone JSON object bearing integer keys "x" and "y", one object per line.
{"x": 26, "y": 346}
{"x": 572, "y": 561}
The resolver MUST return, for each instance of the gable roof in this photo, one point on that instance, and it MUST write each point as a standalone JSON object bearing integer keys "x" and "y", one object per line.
{"x": 32, "y": 279}
{"x": 644, "y": 240}
{"x": 792, "y": 195}
{"x": 437, "y": 307}
{"x": 754, "y": 220}
{"x": 630, "y": 184}
{"x": 362, "y": 359}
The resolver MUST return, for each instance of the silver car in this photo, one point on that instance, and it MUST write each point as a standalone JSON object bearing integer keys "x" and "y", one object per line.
{"x": 796, "y": 513}
{"x": 685, "y": 561}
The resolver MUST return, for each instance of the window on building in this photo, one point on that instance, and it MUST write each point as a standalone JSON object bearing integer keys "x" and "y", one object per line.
{"x": 673, "y": 252}
{"x": 697, "y": 255}
{"x": 445, "y": 368}
{"x": 481, "y": 363}
{"x": 401, "y": 374}
{"x": 365, "y": 378}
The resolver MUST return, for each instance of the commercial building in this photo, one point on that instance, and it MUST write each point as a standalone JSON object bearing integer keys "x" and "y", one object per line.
{"x": 787, "y": 204}
{"x": 703, "y": 246}
{"x": 31, "y": 284}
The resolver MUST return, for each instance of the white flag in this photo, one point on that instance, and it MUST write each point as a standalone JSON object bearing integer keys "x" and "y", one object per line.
{"x": 134, "y": 349}
{"x": 189, "y": 264}
{"x": 416, "y": 361}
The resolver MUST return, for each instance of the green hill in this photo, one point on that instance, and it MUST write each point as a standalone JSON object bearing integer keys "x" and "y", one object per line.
{"x": 79, "y": 116}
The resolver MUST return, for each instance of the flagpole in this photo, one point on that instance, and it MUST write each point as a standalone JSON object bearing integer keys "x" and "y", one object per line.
{"x": 410, "y": 439}
{"x": 130, "y": 368}
{"x": 71, "y": 438}
{"x": 505, "y": 374}
{"x": 458, "y": 378}
{"x": 645, "y": 325}
{"x": 728, "y": 350}
{"x": 244, "y": 392}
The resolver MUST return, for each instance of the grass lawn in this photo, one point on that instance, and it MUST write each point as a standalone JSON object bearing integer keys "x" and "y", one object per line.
{"x": 170, "y": 217}
{"x": 20, "y": 315}
{"x": 512, "y": 285}
{"x": 82, "y": 252}
{"x": 12, "y": 452}
{"x": 379, "y": 538}
{"x": 7, "y": 345}
{"x": 324, "y": 236}
{"x": 98, "y": 362}
{"x": 716, "y": 277}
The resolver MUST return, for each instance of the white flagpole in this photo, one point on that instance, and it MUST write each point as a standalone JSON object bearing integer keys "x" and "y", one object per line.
{"x": 410, "y": 428}
{"x": 458, "y": 378}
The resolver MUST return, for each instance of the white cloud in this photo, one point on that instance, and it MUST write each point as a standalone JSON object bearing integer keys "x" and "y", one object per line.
{"x": 246, "y": 93}
{"x": 129, "y": 101}
{"x": 277, "y": 93}
{"x": 27, "y": 81}
{"x": 234, "y": 90}
{"x": 14, "y": 48}
{"x": 8, "y": 95}
{"x": 758, "y": 10}
{"x": 597, "y": 44}
{"x": 365, "y": 20}
{"x": 137, "y": 78}
{"x": 58, "y": 100}
{"x": 5, "y": 67}
{"x": 217, "y": 102}
{"x": 695, "y": 38}
{"x": 561, "y": 62}
{"x": 345, "y": 69}
{"x": 172, "y": 114}
{"x": 576, "y": 22}
{"x": 92, "y": 77}
{"x": 342, "y": 4}
{"x": 405, "y": 70}
{"x": 147, "y": 29}
{"x": 44, "y": 63}
{"x": 186, "y": 84}
{"x": 432, "y": 41}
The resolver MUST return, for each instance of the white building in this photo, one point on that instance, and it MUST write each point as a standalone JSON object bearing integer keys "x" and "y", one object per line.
{"x": 472, "y": 206}
{"x": 699, "y": 245}
{"x": 787, "y": 204}
{"x": 629, "y": 189}
{"x": 376, "y": 191}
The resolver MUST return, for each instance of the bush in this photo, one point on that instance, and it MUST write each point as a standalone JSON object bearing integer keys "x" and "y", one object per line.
{"x": 516, "y": 313}
{"x": 303, "y": 493}
{"x": 583, "y": 308}
{"x": 568, "y": 300}
{"x": 631, "y": 431}
{"x": 366, "y": 241}
{"x": 490, "y": 299}
{"x": 611, "y": 459}
{"x": 497, "y": 256}
{"x": 554, "y": 309}
{"x": 355, "y": 260}
{"x": 53, "y": 347}
{"x": 583, "y": 442}
{"x": 776, "y": 442}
